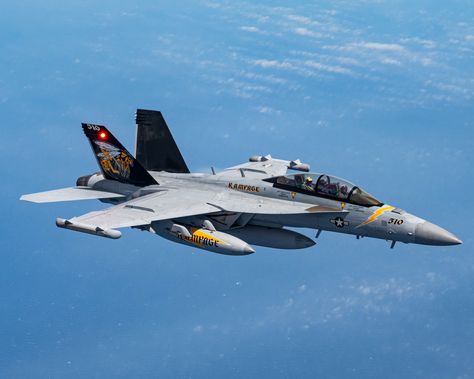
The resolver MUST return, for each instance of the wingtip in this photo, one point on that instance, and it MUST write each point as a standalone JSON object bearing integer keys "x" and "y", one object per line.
{"x": 28, "y": 197}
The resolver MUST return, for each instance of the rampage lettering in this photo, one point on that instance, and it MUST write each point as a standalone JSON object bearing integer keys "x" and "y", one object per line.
{"x": 200, "y": 240}
{"x": 243, "y": 187}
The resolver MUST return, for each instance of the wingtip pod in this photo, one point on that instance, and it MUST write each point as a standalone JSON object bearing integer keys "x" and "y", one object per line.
{"x": 295, "y": 164}
{"x": 299, "y": 166}
{"x": 89, "y": 229}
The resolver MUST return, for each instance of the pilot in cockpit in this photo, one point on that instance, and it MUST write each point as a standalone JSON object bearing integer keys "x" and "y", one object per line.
{"x": 308, "y": 184}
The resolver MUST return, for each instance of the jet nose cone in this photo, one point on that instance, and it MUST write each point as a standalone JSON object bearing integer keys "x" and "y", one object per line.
{"x": 427, "y": 233}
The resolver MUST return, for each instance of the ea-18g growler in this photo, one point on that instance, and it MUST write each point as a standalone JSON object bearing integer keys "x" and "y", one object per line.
{"x": 228, "y": 211}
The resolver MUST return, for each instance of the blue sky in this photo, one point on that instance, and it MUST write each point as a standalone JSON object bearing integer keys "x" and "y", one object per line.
{"x": 376, "y": 92}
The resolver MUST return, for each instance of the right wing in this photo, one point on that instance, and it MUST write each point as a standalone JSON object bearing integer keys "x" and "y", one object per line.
{"x": 263, "y": 167}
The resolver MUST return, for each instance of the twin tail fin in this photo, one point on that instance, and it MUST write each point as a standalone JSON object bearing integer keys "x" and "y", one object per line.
{"x": 115, "y": 162}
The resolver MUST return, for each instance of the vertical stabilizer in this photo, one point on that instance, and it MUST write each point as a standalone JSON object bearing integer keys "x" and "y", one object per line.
{"x": 115, "y": 162}
{"x": 156, "y": 149}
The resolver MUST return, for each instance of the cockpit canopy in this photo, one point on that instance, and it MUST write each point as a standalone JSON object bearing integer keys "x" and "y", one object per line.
{"x": 325, "y": 186}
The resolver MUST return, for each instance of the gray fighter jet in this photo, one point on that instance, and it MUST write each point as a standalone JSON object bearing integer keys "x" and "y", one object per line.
{"x": 225, "y": 212}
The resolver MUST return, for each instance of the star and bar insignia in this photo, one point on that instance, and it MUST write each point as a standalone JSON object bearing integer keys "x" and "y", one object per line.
{"x": 339, "y": 222}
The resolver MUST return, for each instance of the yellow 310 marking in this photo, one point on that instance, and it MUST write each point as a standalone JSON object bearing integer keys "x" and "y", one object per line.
{"x": 379, "y": 212}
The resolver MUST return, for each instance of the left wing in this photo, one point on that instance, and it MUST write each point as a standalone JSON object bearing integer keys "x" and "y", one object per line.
{"x": 162, "y": 205}
{"x": 174, "y": 203}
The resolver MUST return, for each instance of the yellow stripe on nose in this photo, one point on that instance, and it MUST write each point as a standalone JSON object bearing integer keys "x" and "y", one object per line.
{"x": 379, "y": 212}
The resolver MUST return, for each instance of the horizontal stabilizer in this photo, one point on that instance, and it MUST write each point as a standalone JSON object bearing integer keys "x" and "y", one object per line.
{"x": 68, "y": 194}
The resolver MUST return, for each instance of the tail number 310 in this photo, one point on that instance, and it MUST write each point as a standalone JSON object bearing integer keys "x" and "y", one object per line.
{"x": 395, "y": 221}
